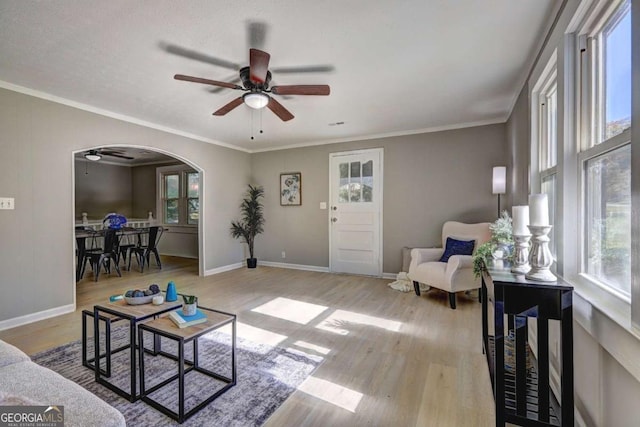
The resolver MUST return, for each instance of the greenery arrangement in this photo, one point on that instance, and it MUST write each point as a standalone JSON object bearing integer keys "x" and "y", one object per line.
{"x": 189, "y": 299}
{"x": 501, "y": 237}
{"x": 252, "y": 222}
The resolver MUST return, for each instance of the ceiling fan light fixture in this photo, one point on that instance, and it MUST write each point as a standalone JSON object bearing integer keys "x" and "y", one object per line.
{"x": 94, "y": 157}
{"x": 256, "y": 100}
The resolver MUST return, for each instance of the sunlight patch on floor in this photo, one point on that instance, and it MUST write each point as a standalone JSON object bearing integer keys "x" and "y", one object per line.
{"x": 291, "y": 310}
{"x": 333, "y": 393}
{"x": 313, "y": 347}
{"x": 340, "y": 321}
{"x": 258, "y": 335}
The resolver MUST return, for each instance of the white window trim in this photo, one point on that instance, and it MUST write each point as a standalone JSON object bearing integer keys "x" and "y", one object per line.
{"x": 160, "y": 172}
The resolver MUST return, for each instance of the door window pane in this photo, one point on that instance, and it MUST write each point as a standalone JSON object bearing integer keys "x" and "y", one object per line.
{"x": 343, "y": 192}
{"x": 617, "y": 73}
{"x": 355, "y": 169}
{"x": 608, "y": 218}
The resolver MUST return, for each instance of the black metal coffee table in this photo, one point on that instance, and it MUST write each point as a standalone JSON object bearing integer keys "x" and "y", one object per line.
{"x": 164, "y": 327}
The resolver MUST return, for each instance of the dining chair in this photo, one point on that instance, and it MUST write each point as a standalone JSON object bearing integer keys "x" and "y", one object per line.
{"x": 128, "y": 240}
{"x": 143, "y": 252}
{"x": 98, "y": 259}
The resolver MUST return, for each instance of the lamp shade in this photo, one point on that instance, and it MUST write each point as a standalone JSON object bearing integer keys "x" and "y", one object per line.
{"x": 94, "y": 157}
{"x": 499, "y": 179}
{"x": 256, "y": 100}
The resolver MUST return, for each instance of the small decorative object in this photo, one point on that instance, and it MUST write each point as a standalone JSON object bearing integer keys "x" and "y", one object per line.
{"x": 502, "y": 236}
{"x": 85, "y": 220}
{"x": 114, "y": 221}
{"x": 142, "y": 296}
{"x": 190, "y": 305}
{"x": 291, "y": 189}
{"x": 172, "y": 293}
{"x": 540, "y": 256}
{"x": 521, "y": 237}
{"x": 157, "y": 300}
{"x": 150, "y": 218}
{"x": 252, "y": 222}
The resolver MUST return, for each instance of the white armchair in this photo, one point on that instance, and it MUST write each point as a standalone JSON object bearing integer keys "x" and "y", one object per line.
{"x": 456, "y": 274}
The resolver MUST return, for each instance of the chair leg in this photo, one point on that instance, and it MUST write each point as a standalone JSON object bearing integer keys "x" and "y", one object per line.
{"x": 155, "y": 252}
{"x": 452, "y": 300}
{"x": 115, "y": 263}
{"x": 416, "y": 287}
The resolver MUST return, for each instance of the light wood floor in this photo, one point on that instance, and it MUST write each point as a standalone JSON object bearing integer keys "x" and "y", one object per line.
{"x": 391, "y": 358}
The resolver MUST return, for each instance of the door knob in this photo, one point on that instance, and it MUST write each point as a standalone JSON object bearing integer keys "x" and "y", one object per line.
{"x": 334, "y": 219}
{"x": 335, "y": 208}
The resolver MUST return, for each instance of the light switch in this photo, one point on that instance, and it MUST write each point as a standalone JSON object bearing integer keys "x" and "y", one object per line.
{"x": 7, "y": 203}
{"x": 323, "y": 205}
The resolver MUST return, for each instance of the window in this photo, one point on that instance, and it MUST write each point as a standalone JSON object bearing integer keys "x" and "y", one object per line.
{"x": 356, "y": 182}
{"x": 179, "y": 195}
{"x": 545, "y": 98}
{"x": 605, "y": 151}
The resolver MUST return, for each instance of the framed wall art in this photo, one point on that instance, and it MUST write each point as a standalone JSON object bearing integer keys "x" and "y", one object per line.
{"x": 291, "y": 189}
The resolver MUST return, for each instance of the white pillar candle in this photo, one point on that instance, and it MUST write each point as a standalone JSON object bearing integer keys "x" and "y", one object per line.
{"x": 520, "y": 216}
{"x": 539, "y": 209}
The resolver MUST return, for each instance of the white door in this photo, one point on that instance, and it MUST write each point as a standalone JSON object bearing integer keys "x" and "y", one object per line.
{"x": 355, "y": 216}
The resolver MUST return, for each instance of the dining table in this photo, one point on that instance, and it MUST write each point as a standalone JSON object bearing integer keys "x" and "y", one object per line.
{"x": 84, "y": 233}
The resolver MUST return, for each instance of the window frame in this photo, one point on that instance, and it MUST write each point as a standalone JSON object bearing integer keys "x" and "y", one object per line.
{"x": 591, "y": 142}
{"x": 182, "y": 171}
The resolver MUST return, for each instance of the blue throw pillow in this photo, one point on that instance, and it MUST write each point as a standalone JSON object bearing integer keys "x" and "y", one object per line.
{"x": 457, "y": 247}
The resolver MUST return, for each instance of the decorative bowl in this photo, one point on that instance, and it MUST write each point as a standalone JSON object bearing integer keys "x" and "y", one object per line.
{"x": 139, "y": 300}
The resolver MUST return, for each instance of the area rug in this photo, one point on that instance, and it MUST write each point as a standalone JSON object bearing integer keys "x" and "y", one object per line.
{"x": 266, "y": 377}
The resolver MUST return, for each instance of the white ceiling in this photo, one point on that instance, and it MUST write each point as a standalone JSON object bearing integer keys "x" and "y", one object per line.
{"x": 399, "y": 66}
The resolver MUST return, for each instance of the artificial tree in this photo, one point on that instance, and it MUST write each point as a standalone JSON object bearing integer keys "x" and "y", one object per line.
{"x": 252, "y": 221}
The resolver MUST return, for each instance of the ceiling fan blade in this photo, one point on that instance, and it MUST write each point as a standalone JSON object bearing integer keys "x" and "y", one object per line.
{"x": 192, "y": 54}
{"x": 106, "y": 153}
{"x": 230, "y": 106}
{"x": 206, "y": 81}
{"x": 304, "y": 69}
{"x": 232, "y": 80}
{"x": 258, "y": 65}
{"x": 256, "y": 34}
{"x": 301, "y": 90}
{"x": 284, "y": 114}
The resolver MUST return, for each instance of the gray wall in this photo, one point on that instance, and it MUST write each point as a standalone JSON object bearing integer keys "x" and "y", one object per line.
{"x": 36, "y": 168}
{"x": 518, "y": 136}
{"x": 102, "y": 188}
{"x": 144, "y": 183}
{"x": 428, "y": 179}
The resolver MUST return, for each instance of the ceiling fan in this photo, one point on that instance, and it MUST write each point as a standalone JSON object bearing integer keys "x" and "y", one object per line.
{"x": 95, "y": 155}
{"x": 255, "y": 82}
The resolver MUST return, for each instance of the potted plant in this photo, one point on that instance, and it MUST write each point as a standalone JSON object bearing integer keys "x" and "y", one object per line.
{"x": 252, "y": 222}
{"x": 499, "y": 247}
{"x": 190, "y": 305}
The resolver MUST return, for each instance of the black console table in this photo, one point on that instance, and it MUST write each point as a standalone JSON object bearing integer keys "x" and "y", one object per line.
{"x": 521, "y": 389}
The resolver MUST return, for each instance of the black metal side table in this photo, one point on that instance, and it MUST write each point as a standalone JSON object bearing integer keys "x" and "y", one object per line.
{"x": 164, "y": 327}
{"x": 521, "y": 390}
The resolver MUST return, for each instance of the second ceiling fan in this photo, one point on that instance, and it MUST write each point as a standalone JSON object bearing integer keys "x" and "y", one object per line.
{"x": 255, "y": 82}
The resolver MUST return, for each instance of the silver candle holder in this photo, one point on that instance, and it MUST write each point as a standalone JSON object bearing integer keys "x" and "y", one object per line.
{"x": 521, "y": 254}
{"x": 540, "y": 256}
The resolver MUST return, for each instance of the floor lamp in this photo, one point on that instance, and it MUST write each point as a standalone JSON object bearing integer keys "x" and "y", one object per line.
{"x": 499, "y": 182}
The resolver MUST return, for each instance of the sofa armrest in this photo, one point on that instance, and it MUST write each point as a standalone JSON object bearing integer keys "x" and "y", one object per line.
{"x": 456, "y": 263}
{"x": 420, "y": 255}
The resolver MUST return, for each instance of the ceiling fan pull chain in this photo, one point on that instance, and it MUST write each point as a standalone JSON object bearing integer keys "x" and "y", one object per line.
{"x": 260, "y": 121}
{"x": 252, "y": 125}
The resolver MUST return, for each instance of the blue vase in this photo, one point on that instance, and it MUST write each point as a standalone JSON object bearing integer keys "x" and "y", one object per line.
{"x": 172, "y": 293}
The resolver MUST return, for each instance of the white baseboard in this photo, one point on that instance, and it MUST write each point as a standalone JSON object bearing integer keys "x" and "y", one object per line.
{"x": 294, "y": 266}
{"x": 223, "y": 269}
{"x": 34, "y": 317}
{"x": 391, "y": 276}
